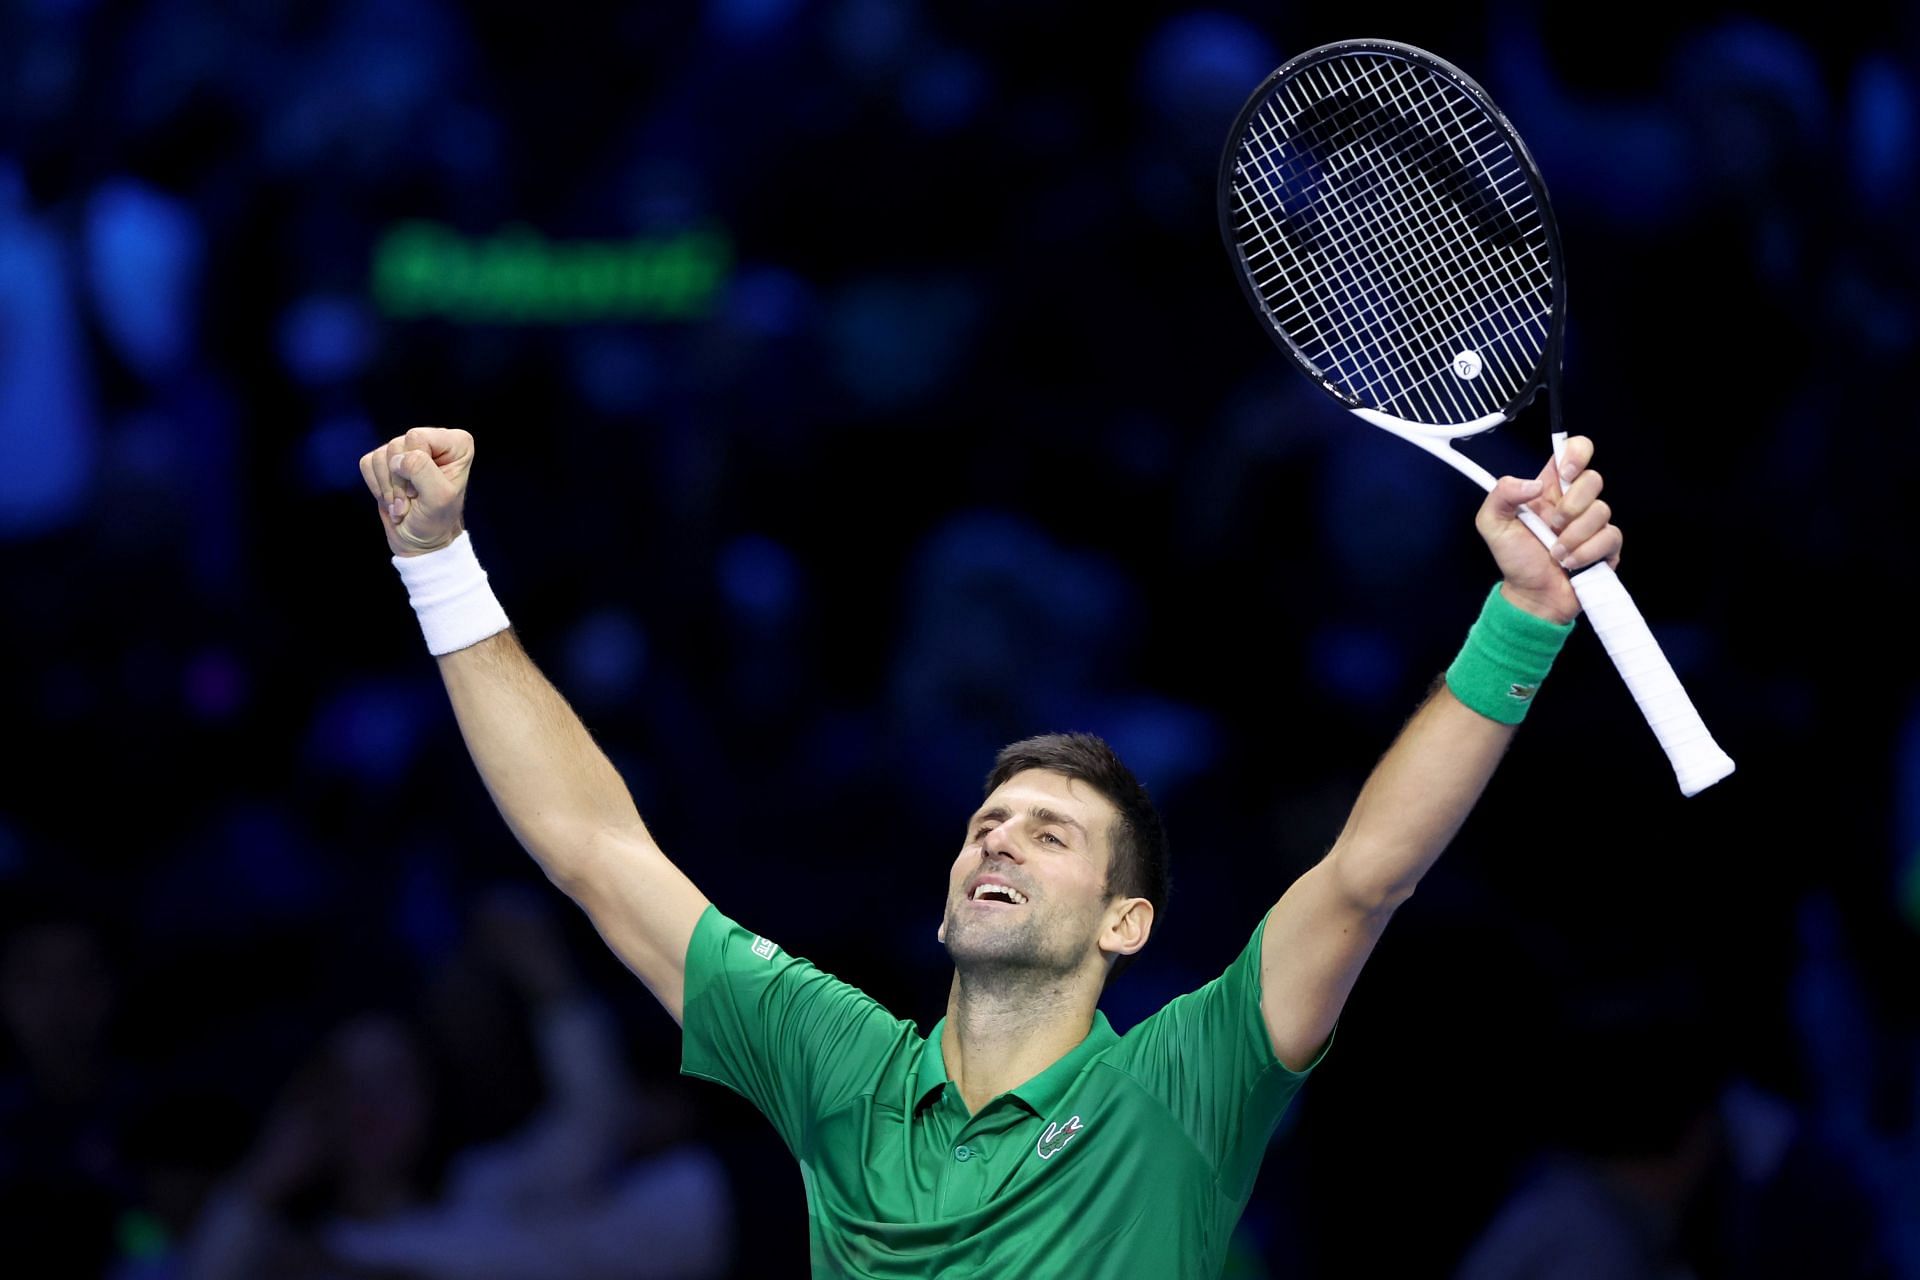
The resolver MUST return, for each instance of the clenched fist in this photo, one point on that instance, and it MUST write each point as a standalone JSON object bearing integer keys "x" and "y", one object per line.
{"x": 420, "y": 481}
{"x": 1568, "y": 501}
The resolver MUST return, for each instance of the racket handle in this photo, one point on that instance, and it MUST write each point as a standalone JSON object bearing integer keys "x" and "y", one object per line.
{"x": 1697, "y": 759}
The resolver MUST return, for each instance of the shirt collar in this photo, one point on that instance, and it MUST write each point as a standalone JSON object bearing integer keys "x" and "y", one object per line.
{"x": 931, "y": 1075}
{"x": 1040, "y": 1094}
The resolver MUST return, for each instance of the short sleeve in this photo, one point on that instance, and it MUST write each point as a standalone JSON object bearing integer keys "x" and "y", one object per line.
{"x": 1207, "y": 1056}
{"x": 790, "y": 1039}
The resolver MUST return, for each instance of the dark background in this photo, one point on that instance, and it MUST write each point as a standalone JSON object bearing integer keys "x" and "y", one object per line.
{"x": 977, "y": 440}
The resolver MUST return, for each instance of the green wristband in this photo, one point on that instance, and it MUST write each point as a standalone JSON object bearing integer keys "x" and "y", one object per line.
{"x": 1507, "y": 654}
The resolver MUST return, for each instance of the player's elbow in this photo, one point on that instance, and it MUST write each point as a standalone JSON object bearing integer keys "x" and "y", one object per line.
{"x": 591, "y": 861}
{"x": 575, "y": 857}
{"x": 1370, "y": 883}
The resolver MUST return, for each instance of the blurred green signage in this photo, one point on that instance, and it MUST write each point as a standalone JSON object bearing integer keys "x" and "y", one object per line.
{"x": 518, "y": 276}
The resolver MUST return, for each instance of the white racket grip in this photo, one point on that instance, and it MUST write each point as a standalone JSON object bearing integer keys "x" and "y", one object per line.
{"x": 1698, "y": 762}
{"x": 1697, "y": 759}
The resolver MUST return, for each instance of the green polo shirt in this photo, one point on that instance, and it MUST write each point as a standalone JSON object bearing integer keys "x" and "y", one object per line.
{"x": 1131, "y": 1156}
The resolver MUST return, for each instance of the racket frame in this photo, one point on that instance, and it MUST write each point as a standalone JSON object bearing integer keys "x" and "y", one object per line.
{"x": 1544, "y": 374}
{"x": 1697, "y": 760}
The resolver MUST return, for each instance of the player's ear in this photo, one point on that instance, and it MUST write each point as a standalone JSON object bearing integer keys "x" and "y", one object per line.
{"x": 1129, "y": 929}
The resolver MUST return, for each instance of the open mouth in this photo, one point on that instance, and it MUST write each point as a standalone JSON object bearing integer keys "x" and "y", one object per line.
{"x": 997, "y": 895}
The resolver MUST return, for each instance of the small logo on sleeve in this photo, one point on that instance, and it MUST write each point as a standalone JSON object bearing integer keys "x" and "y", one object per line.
{"x": 1056, "y": 1137}
{"x": 1521, "y": 692}
{"x": 763, "y": 947}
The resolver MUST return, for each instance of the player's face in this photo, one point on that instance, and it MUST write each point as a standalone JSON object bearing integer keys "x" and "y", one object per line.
{"x": 1028, "y": 891}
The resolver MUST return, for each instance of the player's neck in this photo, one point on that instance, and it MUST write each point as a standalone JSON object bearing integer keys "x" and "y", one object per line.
{"x": 999, "y": 1036}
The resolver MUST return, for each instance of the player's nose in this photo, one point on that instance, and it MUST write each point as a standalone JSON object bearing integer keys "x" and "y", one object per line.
{"x": 1000, "y": 842}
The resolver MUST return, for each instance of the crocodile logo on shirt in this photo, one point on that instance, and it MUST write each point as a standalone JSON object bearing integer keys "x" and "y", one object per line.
{"x": 1056, "y": 1137}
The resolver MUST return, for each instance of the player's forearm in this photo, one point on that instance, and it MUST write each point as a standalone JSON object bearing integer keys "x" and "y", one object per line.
{"x": 1416, "y": 799}
{"x": 554, "y": 786}
{"x": 561, "y": 796}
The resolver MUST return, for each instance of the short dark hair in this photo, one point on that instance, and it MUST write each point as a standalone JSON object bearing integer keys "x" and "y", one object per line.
{"x": 1138, "y": 865}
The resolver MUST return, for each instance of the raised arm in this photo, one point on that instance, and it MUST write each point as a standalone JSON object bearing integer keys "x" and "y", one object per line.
{"x": 560, "y": 795}
{"x": 1325, "y": 926}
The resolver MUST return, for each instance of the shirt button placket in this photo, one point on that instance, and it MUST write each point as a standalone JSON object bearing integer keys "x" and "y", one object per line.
{"x": 966, "y": 1177}
{"x": 970, "y": 1175}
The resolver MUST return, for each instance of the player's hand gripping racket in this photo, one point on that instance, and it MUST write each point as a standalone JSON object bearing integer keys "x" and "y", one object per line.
{"x": 1394, "y": 234}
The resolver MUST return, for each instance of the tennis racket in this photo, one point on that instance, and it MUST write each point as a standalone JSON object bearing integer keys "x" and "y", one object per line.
{"x": 1392, "y": 232}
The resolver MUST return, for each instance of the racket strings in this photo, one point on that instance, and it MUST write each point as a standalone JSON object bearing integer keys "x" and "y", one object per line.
{"x": 1529, "y": 284}
{"x": 1349, "y": 294}
{"x": 1331, "y": 276}
{"x": 1357, "y": 210}
{"x": 1339, "y": 296}
{"x": 1411, "y": 174}
{"x": 1335, "y": 296}
{"x": 1370, "y": 214}
{"x": 1483, "y": 271}
{"x": 1394, "y": 228}
{"x": 1385, "y": 230}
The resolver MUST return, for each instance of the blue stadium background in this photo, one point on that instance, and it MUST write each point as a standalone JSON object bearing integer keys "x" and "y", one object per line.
{"x": 959, "y": 432}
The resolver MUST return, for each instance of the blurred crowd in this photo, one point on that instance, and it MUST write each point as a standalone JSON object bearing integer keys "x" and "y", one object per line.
{"x": 974, "y": 440}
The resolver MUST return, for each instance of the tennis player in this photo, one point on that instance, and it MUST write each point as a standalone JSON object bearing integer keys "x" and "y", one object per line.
{"x": 1022, "y": 1136}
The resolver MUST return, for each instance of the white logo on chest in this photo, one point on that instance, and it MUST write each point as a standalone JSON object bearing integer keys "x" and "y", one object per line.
{"x": 1057, "y": 1136}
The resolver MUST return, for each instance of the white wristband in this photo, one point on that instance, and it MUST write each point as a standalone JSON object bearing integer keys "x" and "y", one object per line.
{"x": 448, "y": 590}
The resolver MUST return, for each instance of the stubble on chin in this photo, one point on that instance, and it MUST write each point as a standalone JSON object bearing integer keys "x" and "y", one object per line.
{"x": 1001, "y": 950}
